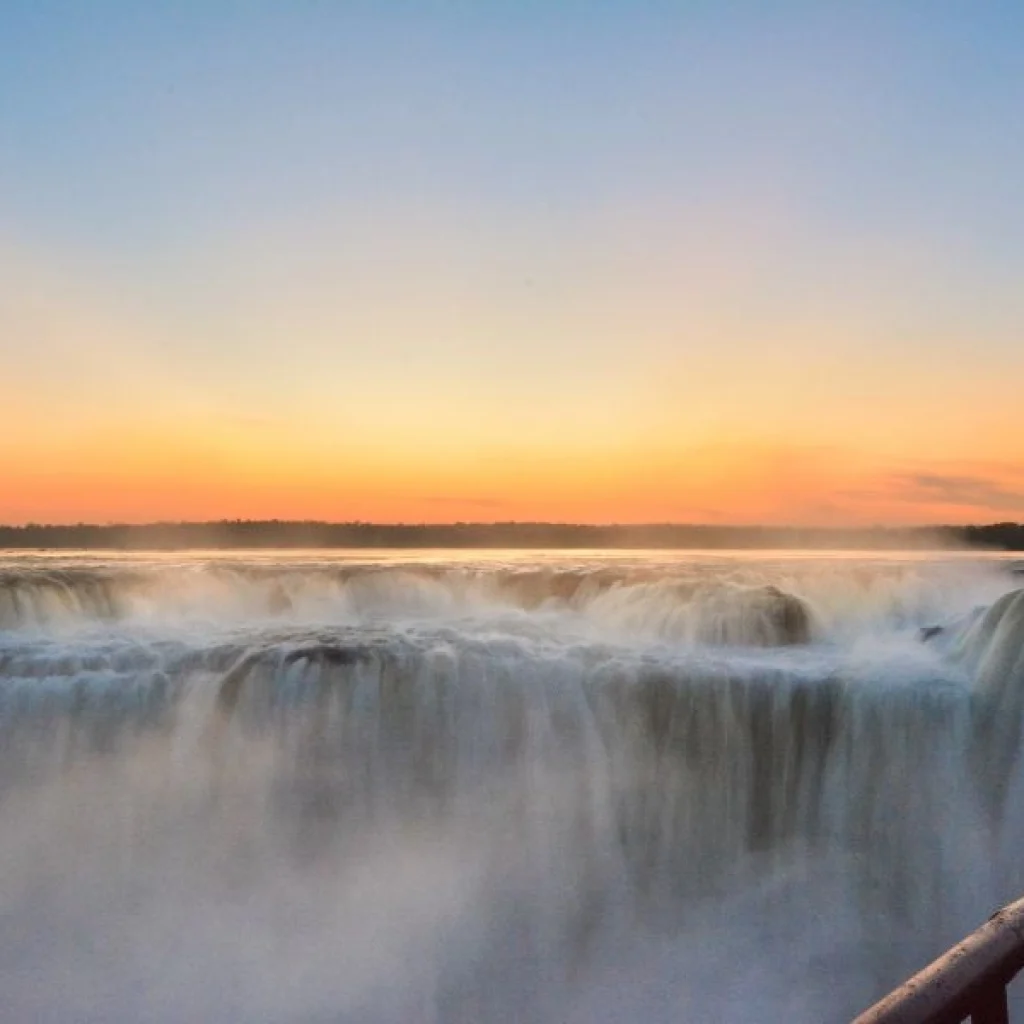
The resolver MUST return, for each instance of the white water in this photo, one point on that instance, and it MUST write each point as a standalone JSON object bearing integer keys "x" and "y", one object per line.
{"x": 535, "y": 787}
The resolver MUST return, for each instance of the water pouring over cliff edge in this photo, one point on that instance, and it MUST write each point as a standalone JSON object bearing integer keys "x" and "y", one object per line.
{"x": 448, "y": 788}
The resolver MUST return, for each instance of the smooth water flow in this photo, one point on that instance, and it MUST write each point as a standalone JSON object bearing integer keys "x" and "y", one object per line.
{"x": 535, "y": 787}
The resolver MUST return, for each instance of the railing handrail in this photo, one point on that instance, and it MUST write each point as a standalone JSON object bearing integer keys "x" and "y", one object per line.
{"x": 968, "y": 981}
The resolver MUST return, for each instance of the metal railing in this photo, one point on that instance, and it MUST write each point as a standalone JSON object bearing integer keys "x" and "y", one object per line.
{"x": 967, "y": 982}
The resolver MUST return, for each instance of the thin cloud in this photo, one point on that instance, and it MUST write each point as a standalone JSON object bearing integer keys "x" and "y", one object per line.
{"x": 966, "y": 490}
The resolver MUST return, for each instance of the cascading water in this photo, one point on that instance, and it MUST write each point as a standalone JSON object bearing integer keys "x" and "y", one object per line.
{"x": 530, "y": 787}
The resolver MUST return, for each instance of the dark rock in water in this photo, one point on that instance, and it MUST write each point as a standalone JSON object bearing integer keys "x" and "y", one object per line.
{"x": 752, "y": 616}
{"x": 954, "y": 628}
{"x": 796, "y": 620}
{"x": 237, "y": 677}
{"x": 326, "y": 654}
{"x": 789, "y": 616}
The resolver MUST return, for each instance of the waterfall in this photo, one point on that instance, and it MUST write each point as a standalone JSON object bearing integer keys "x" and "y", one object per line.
{"x": 450, "y": 788}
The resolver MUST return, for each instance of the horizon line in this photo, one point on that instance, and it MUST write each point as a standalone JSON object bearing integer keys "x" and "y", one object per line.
{"x": 274, "y": 534}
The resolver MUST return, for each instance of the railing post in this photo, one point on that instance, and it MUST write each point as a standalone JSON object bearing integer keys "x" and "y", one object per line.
{"x": 991, "y": 1007}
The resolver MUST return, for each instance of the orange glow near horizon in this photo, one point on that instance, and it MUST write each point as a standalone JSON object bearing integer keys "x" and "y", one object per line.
{"x": 146, "y": 476}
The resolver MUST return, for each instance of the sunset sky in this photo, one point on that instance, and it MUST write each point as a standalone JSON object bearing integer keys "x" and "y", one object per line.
{"x": 616, "y": 260}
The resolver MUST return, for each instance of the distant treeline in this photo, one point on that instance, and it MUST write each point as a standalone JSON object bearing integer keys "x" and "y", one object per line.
{"x": 291, "y": 534}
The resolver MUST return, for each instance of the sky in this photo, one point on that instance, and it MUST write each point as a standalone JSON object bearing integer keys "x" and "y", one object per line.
{"x": 605, "y": 261}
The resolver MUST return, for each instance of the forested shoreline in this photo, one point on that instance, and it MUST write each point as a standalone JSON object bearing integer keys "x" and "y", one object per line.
{"x": 230, "y": 534}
